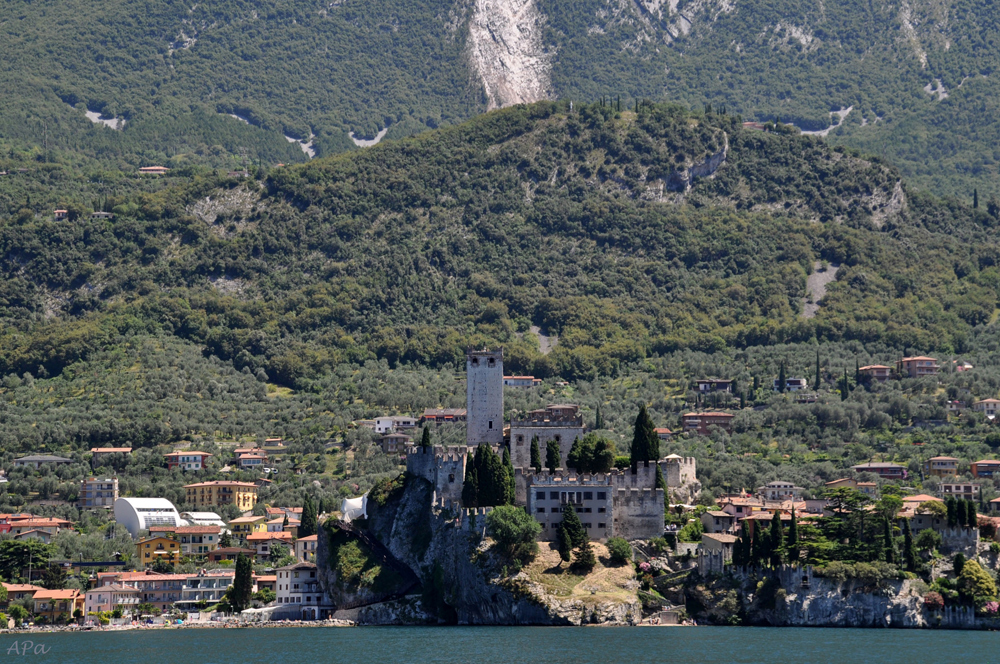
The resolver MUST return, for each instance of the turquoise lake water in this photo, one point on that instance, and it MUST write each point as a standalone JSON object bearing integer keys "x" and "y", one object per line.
{"x": 510, "y": 645}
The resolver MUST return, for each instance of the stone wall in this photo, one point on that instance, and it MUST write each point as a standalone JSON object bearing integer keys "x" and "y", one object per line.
{"x": 638, "y": 513}
{"x": 443, "y": 467}
{"x": 564, "y": 432}
{"x": 484, "y": 396}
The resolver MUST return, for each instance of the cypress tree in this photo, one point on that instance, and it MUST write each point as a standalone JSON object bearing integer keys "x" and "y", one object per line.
{"x": 972, "y": 518}
{"x": 909, "y": 552}
{"x": 961, "y": 513}
{"x": 782, "y": 378}
{"x": 599, "y": 418}
{"x": 536, "y": 455}
{"x": 660, "y": 482}
{"x": 746, "y": 544}
{"x": 949, "y": 503}
{"x": 645, "y": 444}
{"x": 738, "y": 553}
{"x": 975, "y": 199}
{"x": 857, "y": 372}
{"x": 565, "y": 545}
{"x": 470, "y": 486}
{"x": 307, "y": 527}
{"x": 889, "y": 544}
{"x": 425, "y": 438}
{"x": 845, "y": 387}
{"x": 958, "y": 564}
{"x": 775, "y": 540}
{"x": 756, "y": 384}
{"x": 575, "y": 459}
{"x": 242, "y": 592}
{"x": 552, "y": 455}
{"x": 816, "y": 384}
{"x": 584, "y": 558}
{"x": 509, "y": 472}
{"x": 792, "y": 539}
{"x": 743, "y": 400}
{"x": 572, "y": 525}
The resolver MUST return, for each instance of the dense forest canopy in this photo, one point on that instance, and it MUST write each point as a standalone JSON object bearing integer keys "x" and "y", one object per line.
{"x": 575, "y": 222}
{"x": 917, "y": 76}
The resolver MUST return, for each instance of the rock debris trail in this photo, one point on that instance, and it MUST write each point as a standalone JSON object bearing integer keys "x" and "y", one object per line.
{"x": 816, "y": 285}
{"x": 545, "y": 343}
{"x": 368, "y": 142}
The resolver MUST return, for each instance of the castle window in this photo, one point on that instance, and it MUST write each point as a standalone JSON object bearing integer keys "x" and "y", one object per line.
{"x": 540, "y": 496}
{"x": 601, "y": 495}
{"x": 491, "y": 424}
{"x": 520, "y": 440}
{"x": 588, "y": 495}
{"x": 586, "y": 510}
{"x": 475, "y": 361}
{"x": 579, "y": 510}
{"x": 553, "y": 495}
{"x": 451, "y": 477}
{"x": 587, "y": 525}
{"x": 601, "y": 510}
{"x": 558, "y": 438}
{"x": 600, "y": 525}
{"x": 491, "y": 362}
{"x": 540, "y": 510}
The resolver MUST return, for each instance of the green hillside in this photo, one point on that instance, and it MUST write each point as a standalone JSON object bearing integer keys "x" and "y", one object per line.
{"x": 918, "y": 75}
{"x": 576, "y": 223}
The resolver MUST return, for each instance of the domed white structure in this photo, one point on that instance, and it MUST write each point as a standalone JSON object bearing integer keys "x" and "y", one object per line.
{"x": 140, "y": 513}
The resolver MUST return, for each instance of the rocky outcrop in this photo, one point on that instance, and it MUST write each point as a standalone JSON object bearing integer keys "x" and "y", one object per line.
{"x": 506, "y": 53}
{"x": 681, "y": 179}
{"x": 461, "y": 579}
{"x": 795, "y": 597}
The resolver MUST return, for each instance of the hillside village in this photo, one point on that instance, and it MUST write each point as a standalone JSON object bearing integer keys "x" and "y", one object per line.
{"x": 154, "y": 559}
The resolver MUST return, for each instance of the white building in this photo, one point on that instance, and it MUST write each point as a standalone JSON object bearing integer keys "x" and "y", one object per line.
{"x": 187, "y": 460}
{"x": 205, "y": 586}
{"x": 484, "y": 397}
{"x": 388, "y": 424}
{"x": 521, "y": 382}
{"x": 203, "y": 519}
{"x": 297, "y": 585}
{"x": 780, "y": 491}
{"x": 137, "y": 514}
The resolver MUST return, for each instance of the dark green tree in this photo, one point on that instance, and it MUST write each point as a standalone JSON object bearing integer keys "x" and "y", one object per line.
{"x": 975, "y": 199}
{"x": 888, "y": 542}
{"x": 961, "y": 513}
{"x": 242, "y": 593}
{"x": 845, "y": 387}
{"x": 584, "y": 558}
{"x": 958, "y": 563}
{"x": 536, "y": 455}
{"x": 565, "y": 544}
{"x": 552, "y": 460}
{"x": 308, "y": 524}
{"x": 952, "y": 508}
{"x": 909, "y": 551}
{"x": 645, "y": 444}
{"x": 746, "y": 543}
{"x": 792, "y": 539}
{"x": 225, "y": 540}
{"x": 972, "y": 518}
{"x": 470, "y": 486}
{"x": 598, "y": 419}
{"x": 55, "y": 577}
{"x": 572, "y": 525}
{"x": 775, "y": 541}
{"x": 782, "y": 377}
{"x": 425, "y": 438}
{"x": 817, "y": 382}
{"x": 508, "y": 469}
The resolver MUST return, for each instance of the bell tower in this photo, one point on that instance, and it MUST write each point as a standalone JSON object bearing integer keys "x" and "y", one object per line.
{"x": 484, "y": 396}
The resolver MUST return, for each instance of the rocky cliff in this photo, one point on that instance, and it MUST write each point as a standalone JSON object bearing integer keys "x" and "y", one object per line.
{"x": 794, "y": 597}
{"x": 461, "y": 579}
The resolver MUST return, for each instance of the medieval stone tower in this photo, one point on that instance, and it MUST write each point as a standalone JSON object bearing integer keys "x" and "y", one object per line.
{"x": 484, "y": 396}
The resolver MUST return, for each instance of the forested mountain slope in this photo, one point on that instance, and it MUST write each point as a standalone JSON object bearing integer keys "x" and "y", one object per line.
{"x": 625, "y": 234}
{"x": 918, "y": 76}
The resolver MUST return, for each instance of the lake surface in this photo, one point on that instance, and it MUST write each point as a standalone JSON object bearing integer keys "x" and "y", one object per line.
{"x": 509, "y": 645}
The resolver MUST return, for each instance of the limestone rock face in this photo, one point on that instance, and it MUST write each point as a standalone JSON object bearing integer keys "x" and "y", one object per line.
{"x": 455, "y": 568}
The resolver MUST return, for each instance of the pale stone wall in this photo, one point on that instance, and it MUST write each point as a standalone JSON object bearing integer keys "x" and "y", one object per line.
{"x": 638, "y": 513}
{"x": 521, "y": 435}
{"x": 484, "y": 396}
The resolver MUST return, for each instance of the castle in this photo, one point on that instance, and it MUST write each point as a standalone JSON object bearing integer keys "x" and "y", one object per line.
{"x": 620, "y": 503}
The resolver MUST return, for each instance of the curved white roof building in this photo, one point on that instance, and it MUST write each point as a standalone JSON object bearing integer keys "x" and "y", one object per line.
{"x": 140, "y": 513}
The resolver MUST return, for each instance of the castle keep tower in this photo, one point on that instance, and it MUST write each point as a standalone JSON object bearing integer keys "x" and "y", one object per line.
{"x": 484, "y": 396}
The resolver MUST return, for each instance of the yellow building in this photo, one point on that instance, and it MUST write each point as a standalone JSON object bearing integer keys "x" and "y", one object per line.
{"x": 221, "y": 492}
{"x": 247, "y": 525}
{"x": 152, "y": 549}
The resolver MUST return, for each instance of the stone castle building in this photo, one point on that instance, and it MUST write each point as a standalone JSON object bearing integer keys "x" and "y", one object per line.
{"x": 620, "y": 503}
{"x": 484, "y": 396}
{"x": 562, "y": 423}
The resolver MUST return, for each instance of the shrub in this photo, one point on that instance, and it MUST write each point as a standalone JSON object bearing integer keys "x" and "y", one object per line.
{"x": 514, "y": 531}
{"x": 933, "y": 601}
{"x": 619, "y": 550}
